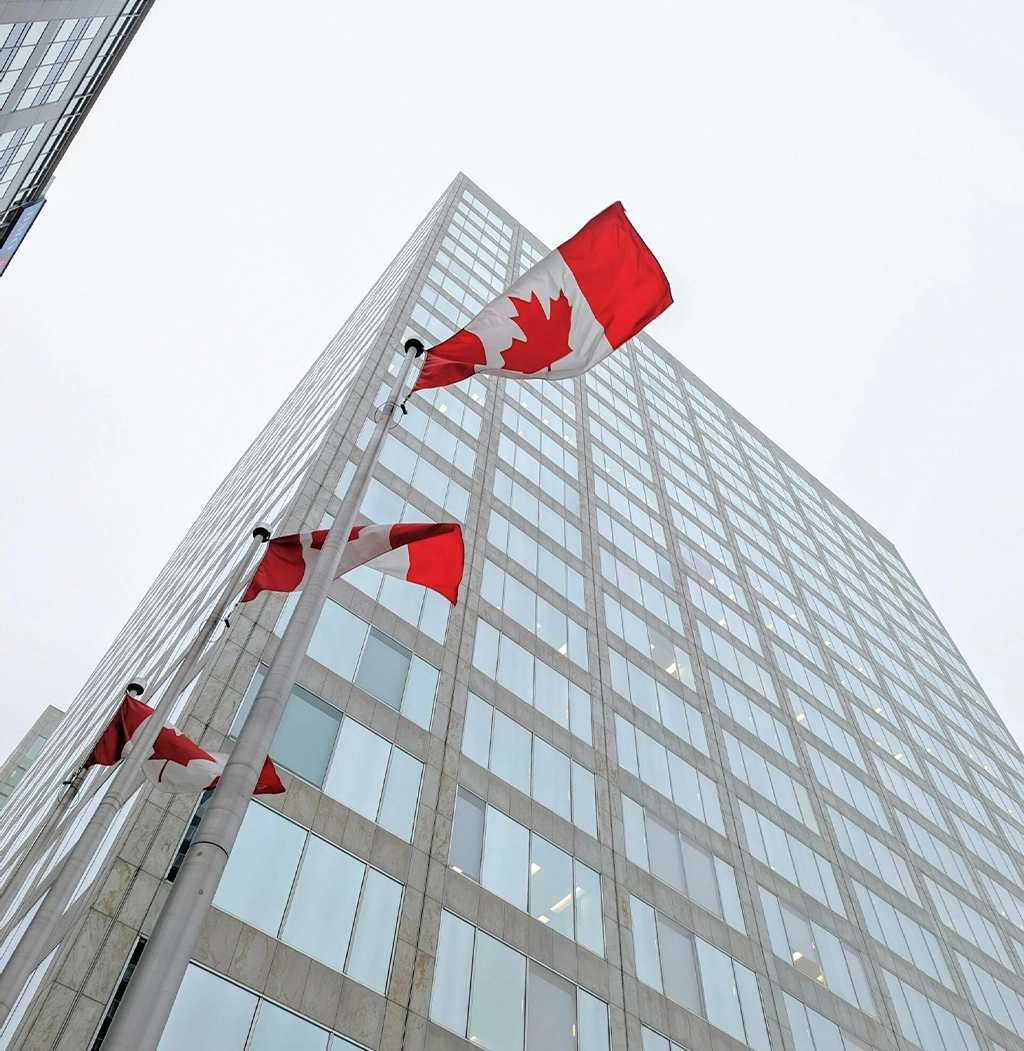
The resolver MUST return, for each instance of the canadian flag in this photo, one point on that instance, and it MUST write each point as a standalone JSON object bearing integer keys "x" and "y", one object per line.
{"x": 564, "y": 315}
{"x": 177, "y": 763}
{"x": 422, "y": 553}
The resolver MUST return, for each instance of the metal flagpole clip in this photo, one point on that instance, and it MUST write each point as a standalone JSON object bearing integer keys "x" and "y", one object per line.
{"x": 416, "y": 345}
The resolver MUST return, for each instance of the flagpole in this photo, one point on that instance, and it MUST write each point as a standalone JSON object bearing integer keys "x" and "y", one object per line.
{"x": 43, "y": 840}
{"x": 54, "y": 825}
{"x": 146, "y": 1005}
{"x": 37, "y": 942}
{"x": 30, "y": 896}
{"x": 46, "y": 837}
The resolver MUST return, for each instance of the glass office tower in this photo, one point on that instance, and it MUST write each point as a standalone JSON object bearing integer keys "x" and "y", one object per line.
{"x": 55, "y": 57}
{"x": 692, "y": 764}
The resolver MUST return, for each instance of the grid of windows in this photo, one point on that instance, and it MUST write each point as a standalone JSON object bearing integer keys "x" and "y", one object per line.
{"x": 816, "y": 952}
{"x": 529, "y": 763}
{"x": 512, "y": 861}
{"x": 14, "y": 148}
{"x": 213, "y": 1014}
{"x": 532, "y": 680}
{"x": 64, "y": 54}
{"x": 277, "y": 880}
{"x": 668, "y": 774}
{"x": 697, "y": 975}
{"x": 498, "y": 998}
{"x": 657, "y": 847}
{"x": 17, "y": 42}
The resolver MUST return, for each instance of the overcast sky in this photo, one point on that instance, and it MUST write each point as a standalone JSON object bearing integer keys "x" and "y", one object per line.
{"x": 836, "y": 191}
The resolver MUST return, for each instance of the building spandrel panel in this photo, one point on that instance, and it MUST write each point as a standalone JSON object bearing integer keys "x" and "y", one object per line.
{"x": 692, "y": 763}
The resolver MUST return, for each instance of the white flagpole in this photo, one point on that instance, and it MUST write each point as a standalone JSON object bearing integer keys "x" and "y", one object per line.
{"x": 30, "y": 895}
{"x": 47, "y": 835}
{"x": 143, "y": 1012}
{"x": 56, "y": 824}
{"x": 45, "y": 838}
{"x": 37, "y": 940}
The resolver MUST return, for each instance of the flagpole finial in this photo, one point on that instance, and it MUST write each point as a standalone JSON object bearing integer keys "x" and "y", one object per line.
{"x": 261, "y": 532}
{"x": 414, "y": 344}
{"x": 136, "y": 686}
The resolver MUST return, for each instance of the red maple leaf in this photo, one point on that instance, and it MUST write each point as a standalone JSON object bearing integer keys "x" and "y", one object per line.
{"x": 545, "y": 339}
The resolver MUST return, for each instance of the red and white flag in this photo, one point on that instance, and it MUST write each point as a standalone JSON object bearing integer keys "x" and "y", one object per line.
{"x": 177, "y": 763}
{"x": 565, "y": 314}
{"x": 429, "y": 554}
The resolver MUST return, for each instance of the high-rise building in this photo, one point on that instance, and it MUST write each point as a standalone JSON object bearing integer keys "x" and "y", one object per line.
{"x": 55, "y": 58}
{"x": 693, "y": 763}
{"x": 16, "y": 765}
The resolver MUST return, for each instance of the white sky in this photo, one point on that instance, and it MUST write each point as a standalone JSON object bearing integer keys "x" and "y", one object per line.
{"x": 836, "y": 191}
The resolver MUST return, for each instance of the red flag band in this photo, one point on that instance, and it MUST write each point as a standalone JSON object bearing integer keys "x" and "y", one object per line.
{"x": 428, "y": 554}
{"x": 564, "y": 315}
{"x": 177, "y": 763}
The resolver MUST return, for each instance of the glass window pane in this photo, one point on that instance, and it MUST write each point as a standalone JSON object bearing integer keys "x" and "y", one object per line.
{"x": 380, "y": 504}
{"x": 485, "y": 649}
{"x": 653, "y": 764}
{"x": 277, "y": 1028}
{"x": 496, "y": 1015}
{"x": 337, "y": 640}
{"x": 467, "y": 834}
{"x": 510, "y": 753}
{"x": 515, "y": 669}
{"x": 401, "y": 794}
{"x": 701, "y": 882}
{"x": 402, "y": 598}
{"x": 552, "y": 696}
{"x": 370, "y": 959}
{"x": 520, "y": 603}
{"x": 383, "y": 669}
{"x": 324, "y": 905}
{"x": 305, "y": 739}
{"x": 732, "y": 911}
{"x": 506, "y": 861}
{"x": 634, "y": 827}
{"x": 418, "y": 702}
{"x": 360, "y": 765}
{"x": 593, "y": 1022}
{"x": 209, "y": 1014}
{"x": 550, "y": 1011}
{"x": 652, "y": 1041}
{"x": 584, "y": 800}
{"x": 433, "y": 619}
{"x": 589, "y": 927}
{"x": 476, "y": 734}
{"x": 551, "y": 778}
{"x": 449, "y": 999}
{"x": 663, "y": 850}
{"x": 579, "y": 713}
{"x": 260, "y": 869}
{"x": 750, "y": 1004}
{"x": 678, "y": 967}
{"x": 720, "y": 994}
{"x": 551, "y": 886}
{"x": 645, "y": 944}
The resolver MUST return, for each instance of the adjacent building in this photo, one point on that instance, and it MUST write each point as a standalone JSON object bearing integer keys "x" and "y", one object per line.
{"x": 692, "y": 764}
{"x": 55, "y": 57}
{"x": 16, "y": 765}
